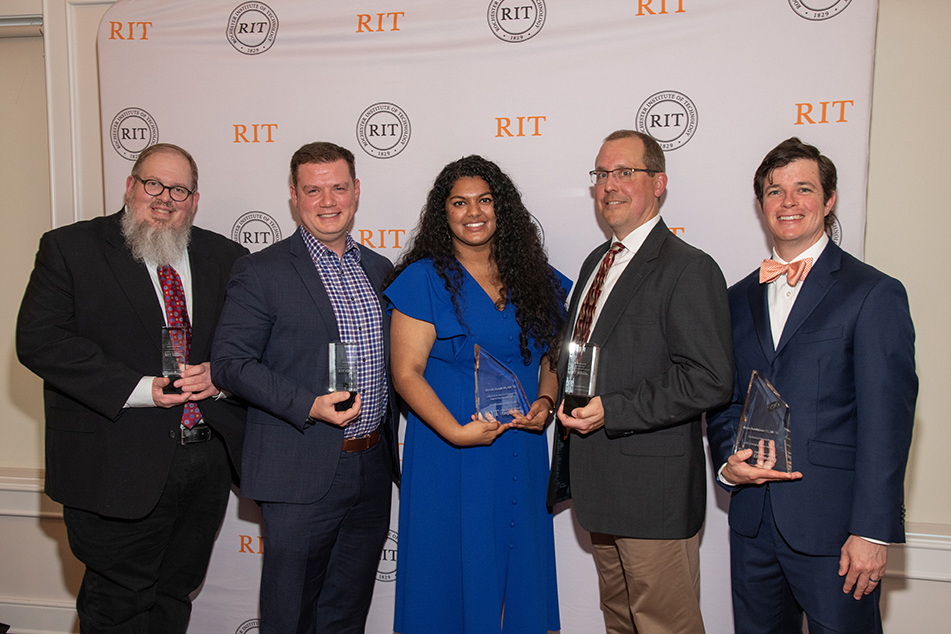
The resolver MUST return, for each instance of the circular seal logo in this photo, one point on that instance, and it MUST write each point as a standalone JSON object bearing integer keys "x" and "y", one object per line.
{"x": 252, "y": 27}
{"x": 256, "y": 230}
{"x": 516, "y": 20}
{"x": 819, "y": 9}
{"x": 132, "y": 131}
{"x": 669, "y": 117}
{"x": 249, "y": 625}
{"x": 387, "y": 569}
{"x": 835, "y": 231}
{"x": 383, "y": 130}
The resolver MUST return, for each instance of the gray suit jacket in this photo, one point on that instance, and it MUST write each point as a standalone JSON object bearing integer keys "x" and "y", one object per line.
{"x": 666, "y": 357}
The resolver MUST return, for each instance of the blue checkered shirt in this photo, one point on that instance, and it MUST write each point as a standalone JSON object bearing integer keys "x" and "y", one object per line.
{"x": 360, "y": 321}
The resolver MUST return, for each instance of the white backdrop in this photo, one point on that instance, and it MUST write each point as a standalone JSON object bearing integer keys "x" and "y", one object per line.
{"x": 409, "y": 85}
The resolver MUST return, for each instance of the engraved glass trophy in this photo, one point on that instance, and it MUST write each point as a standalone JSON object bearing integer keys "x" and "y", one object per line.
{"x": 173, "y": 357}
{"x": 497, "y": 389}
{"x": 764, "y": 427}
{"x": 582, "y": 375}
{"x": 343, "y": 372}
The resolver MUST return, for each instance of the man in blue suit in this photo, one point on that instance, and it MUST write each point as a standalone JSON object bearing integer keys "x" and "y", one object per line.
{"x": 320, "y": 466}
{"x": 835, "y": 338}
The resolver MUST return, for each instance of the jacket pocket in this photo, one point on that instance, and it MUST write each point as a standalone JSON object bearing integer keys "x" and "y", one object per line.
{"x": 664, "y": 442}
{"x": 827, "y": 454}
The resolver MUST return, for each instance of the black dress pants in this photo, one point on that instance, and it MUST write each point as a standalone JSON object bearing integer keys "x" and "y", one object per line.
{"x": 139, "y": 573}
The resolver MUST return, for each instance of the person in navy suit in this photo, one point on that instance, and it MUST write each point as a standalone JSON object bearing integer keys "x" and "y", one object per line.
{"x": 835, "y": 338}
{"x": 320, "y": 466}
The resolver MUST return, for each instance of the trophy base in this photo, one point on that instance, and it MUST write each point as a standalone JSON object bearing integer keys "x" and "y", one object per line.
{"x": 574, "y": 401}
{"x": 171, "y": 389}
{"x": 343, "y": 406}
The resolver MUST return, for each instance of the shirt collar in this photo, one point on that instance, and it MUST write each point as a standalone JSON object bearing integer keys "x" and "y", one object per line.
{"x": 633, "y": 241}
{"x": 812, "y": 252}
{"x": 319, "y": 250}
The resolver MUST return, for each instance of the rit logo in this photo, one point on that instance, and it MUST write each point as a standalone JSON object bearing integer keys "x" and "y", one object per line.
{"x": 133, "y": 134}
{"x": 241, "y": 133}
{"x": 502, "y": 125}
{"x": 364, "y": 19}
{"x": 252, "y": 27}
{"x": 805, "y": 112}
{"x": 644, "y": 7}
{"x": 116, "y": 30}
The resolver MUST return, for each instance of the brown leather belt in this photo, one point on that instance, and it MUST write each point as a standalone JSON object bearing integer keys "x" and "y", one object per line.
{"x": 353, "y": 445}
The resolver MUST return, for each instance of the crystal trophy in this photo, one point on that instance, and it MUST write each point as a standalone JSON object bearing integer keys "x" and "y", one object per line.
{"x": 582, "y": 375}
{"x": 497, "y": 389}
{"x": 343, "y": 372}
{"x": 764, "y": 427}
{"x": 173, "y": 357}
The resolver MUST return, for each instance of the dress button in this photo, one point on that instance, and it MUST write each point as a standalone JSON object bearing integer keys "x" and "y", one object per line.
{"x": 171, "y": 433}
{"x": 511, "y": 337}
{"x": 512, "y": 524}
{"x": 514, "y": 478}
{"x": 514, "y": 502}
{"x": 511, "y": 546}
{"x": 515, "y": 454}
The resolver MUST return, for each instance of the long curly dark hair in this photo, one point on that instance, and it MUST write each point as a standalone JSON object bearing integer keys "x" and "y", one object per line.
{"x": 520, "y": 259}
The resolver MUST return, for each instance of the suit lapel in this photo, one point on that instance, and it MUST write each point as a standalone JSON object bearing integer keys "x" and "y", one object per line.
{"x": 637, "y": 270}
{"x": 756, "y": 293}
{"x": 206, "y": 281}
{"x": 304, "y": 264}
{"x": 815, "y": 286}
{"x": 134, "y": 281}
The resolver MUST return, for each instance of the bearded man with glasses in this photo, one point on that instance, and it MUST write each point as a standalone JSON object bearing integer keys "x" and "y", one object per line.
{"x": 142, "y": 463}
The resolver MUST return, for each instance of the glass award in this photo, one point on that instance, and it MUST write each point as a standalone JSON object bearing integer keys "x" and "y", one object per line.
{"x": 173, "y": 357}
{"x": 764, "y": 427}
{"x": 343, "y": 372}
{"x": 582, "y": 375}
{"x": 497, "y": 389}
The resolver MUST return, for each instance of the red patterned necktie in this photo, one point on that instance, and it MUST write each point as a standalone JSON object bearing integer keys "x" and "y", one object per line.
{"x": 586, "y": 314}
{"x": 771, "y": 270}
{"x": 177, "y": 313}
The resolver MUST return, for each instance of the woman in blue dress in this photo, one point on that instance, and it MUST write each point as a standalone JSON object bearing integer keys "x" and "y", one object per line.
{"x": 475, "y": 546}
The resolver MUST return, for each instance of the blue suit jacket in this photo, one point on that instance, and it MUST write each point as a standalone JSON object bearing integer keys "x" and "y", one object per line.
{"x": 845, "y": 365}
{"x": 270, "y": 348}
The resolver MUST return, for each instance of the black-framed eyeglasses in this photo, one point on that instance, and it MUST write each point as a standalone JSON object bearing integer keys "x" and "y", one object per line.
{"x": 153, "y": 187}
{"x": 622, "y": 174}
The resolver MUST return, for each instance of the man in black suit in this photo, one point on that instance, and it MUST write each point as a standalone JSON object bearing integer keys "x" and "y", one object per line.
{"x": 657, "y": 309}
{"x": 321, "y": 466}
{"x": 143, "y": 475}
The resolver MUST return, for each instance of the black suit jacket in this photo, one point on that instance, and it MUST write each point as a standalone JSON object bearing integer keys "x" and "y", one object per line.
{"x": 666, "y": 357}
{"x": 271, "y": 349}
{"x": 90, "y": 326}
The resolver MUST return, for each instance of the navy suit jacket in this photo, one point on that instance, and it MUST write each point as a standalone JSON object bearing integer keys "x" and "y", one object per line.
{"x": 91, "y": 326}
{"x": 845, "y": 365}
{"x": 271, "y": 349}
{"x": 665, "y": 358}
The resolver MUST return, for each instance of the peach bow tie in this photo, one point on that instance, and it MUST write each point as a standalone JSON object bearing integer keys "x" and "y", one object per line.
{"x": 770, "y": 270}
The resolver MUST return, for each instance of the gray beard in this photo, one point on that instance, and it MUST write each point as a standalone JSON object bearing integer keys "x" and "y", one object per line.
{"x": 154, "y": 245}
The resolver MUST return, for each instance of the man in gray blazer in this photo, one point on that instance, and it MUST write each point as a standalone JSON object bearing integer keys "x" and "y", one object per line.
{"x": 657, "y": 308}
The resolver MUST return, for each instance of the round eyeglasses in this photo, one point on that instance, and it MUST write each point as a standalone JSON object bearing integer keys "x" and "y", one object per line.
{"x": 622, "y": 174}
{"x": 153, "y": 187}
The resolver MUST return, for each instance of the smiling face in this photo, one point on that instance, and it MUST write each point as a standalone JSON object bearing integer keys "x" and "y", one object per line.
{"x": 626, "y": 206}
{"x": 793, "y": 207}
{"x": 171, "y": 169}
{"x": 470, "y": 209}
{"x": 326, "y": 198}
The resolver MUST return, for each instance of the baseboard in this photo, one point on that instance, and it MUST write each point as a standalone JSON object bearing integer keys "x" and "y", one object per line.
{"x": 34, "y": 617}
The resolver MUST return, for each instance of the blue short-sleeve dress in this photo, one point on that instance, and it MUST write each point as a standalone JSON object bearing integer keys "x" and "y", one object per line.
{"x": 474, "y": 531}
